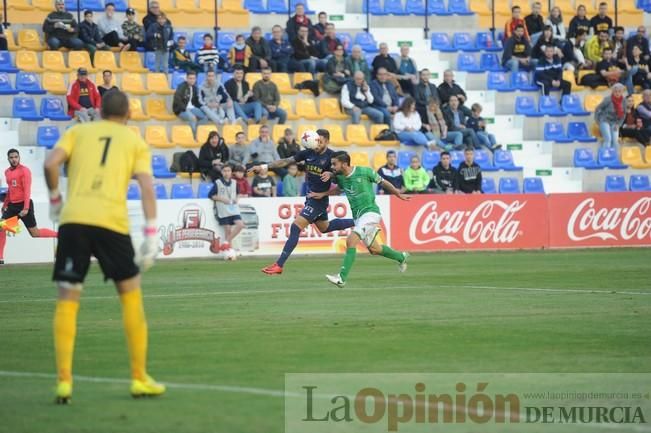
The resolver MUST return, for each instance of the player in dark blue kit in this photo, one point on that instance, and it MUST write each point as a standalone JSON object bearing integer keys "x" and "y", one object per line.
{"x": 318, "y": 162}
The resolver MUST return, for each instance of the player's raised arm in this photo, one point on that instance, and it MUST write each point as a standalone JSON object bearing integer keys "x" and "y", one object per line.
{"x": 51, "y": 167}
{"x": 279, "y": 163}
{"x": 388, "y": 186}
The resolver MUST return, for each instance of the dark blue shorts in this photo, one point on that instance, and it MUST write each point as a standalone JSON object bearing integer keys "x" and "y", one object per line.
{"x": 228, "y": 221}
{"x": 315, "y": 210}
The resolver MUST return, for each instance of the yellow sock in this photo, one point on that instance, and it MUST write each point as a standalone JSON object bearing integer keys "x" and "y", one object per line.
{"x": 135, "y": 327}
{"x": 65, "y": 329}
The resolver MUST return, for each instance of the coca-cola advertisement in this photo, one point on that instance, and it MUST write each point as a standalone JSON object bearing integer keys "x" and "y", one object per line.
{"x": 458, "y": 222}
{"x": 600, "y": 219}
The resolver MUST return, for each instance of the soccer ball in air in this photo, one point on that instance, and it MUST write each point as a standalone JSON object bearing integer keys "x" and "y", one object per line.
{"x": 230, "y": 255}
{"x": 310, "y": 139}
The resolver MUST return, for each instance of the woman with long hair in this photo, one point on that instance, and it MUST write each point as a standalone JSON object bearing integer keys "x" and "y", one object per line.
{"x": 407, "y": 124}
{"x": 212, "y": 156}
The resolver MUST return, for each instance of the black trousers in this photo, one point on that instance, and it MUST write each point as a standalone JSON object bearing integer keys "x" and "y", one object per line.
{"x": 643, "y": 136}
{"x": 546, "y": 87}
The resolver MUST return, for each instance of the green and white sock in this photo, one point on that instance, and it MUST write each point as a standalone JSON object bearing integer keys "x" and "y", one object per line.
{"x": 349, "y": 259}
{"x": 392, "y": 254}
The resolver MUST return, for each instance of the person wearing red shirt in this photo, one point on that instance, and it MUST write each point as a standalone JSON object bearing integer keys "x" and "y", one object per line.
{"x": 18, "y": 201}
{"x": 83, "y": 98}
{"x": 509, "y": 27}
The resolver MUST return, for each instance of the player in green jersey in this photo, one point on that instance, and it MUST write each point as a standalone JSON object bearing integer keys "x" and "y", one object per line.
{"x": 359, "y": 183}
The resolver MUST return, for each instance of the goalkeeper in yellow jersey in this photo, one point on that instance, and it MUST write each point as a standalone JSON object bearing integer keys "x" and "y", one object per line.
{"x": 101, "y": 157}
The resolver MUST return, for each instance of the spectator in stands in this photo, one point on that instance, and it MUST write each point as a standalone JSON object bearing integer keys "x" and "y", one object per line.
{"x": 263, "y": 150}
{"x": 107, "y": 83}
{"x": 267, "y": 93}
{"x": 244, "y": 103}
{"x": 3, "y": 36}
{"x": 281, "y": 52}
{"x": 449, "y": 87}
{"x": 546, "y": 39}
{"x": 134, "y": 32}
{"x": 578, "y": 60}
{"x": 215, "y": 102}
{"x": 391, "y": 173}
{"x": 243, "y": 185}
{"x": 60, "y": 29}
{"x": 357, "y": 62}
{"x": 644, "y": 109}
{"x": 579, "y": 22}
{"x": 513, "y": 23}
{"x": 478, "y": 124}
{"x": 181, "y": 57}
{"x": 555, "y": 20}
{"x": 240, "y": 53}
{"x": 610, "y": 115}
{"x": 287, "y": 145}
{"x": 84, "y": 100}
{"x": 517, "y": 52}
{"x": 639, "y": 40}
{"x": 320, "y": 27}
{"x": 619, "y": 44}
{"x": 407, "y": 71}
{"x": 357, "y": 99}
{"x": 611, "y": 71}
{"x": 415, "y": 177}
{"x": 639, "y": 64}
{"x": 444, "y": 176}
{"x": 384, "y": 60}
{"x": 160, "y": 38}
{"x": 186, "y": 104}
{"x": 329, "y": 43}
{"x": 424, "y": 92}
{"x": 549, "y": 73}
{"x": 436, "y": 130}
{"x": 407, "y": 125}
{"x": 208, "y": 55}
{"x": 260, "y": 51}
{"x": 213, "y": 155}
{"x": 111, "y": 28}
{"x": 298, "y": 20}
{"x": 90, "y": 35}
{"x": 385, "y": 97}
{"x": 468, "y": 179}
{"x": 239, "y": 152}
{"x": 455, "y": 119}
{"x": 633, "y": 127}
{"x": 601, "y": 22}
{"x": 152, "y": 15}
{"x": 263, "y": 184}
{"x": 534, "y": 22}
{"x": 305, "y": 52}
{"x": 336, "y": 72}
{"x": 290, "y": 181}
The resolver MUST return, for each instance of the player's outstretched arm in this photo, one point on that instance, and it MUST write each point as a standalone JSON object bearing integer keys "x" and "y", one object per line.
{"x": 51, "y": 167}
{"x": 279, "y": 163}
{"x": 149, "y": 249}
{"x": 319, "y": 195}
{"x": 388, "y": 186}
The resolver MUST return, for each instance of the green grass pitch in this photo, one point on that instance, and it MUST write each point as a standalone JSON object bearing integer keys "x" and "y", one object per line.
{"x": 232, "y": 331}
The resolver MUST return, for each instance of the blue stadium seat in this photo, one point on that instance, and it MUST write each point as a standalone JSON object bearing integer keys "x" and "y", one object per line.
{"x": 177, "y": 78}
{"x": 150, "y": 61}
{"x": 204, "y": 189}
{"x": 133, "y": 192}
{"x": 522, "y": 81}
{"x": 486, "y": 42}
{"x": 639, "y": 182}
{"x": 374, "y": 7}
{"x": 572, "y": 104}
{"x": 526, "y": 105}
{"x": 255, "y": 6}
{"x": 197, "y": 41}
{"x": 308, "y": 10}
{"x": 437, "y": 7}
{"x": 277, "y": 6}
{"x": 463, "y": 41}
{"x": 430, "y": 159}
{"x": 6, "y": 64}
{"x": 441, "y": 42}
{"x": 182, "y": 191}
{"x": 120, "y": 5}
{"x": 483, "y": 159}
{"x": 27, "y": 82}
{"x": 503, "y": 160}
{"x": 347, "y": 40}
{"x": 161, "y": 191}
{"x": 415, "y": 7}
{"x": 93, "y": 5}
{"x": 47, "y": 136}
{"x": 456, "y": 157}
{"x": 201, "y": 78}
{"x": 509, "y": 185}
{"x": 615, "y": 183}
{"x": 554, "y": 131}
{"x": 25, "y": 108}
{"x": 468, "y": 63}
{"x": 533, "y": 185}
{"x": 5, "y": 84}
{"x": 490, "y": 62}
{"x": 608, "y": 158}
{"x": 579, "y": 131}
{"x": 498, "y": 81}
{"x": 459, "y": 7}
{"x": 177, "y": 35}
{"x": 53, "y": 109}
{"x": 584, "y": 158}
{"x": 160, "y": 169}
{"x": 367, "y": 42}
{"x": 394, "y": 7}
{"x": 279, "y": 188}
{"x": 225, "y": 40}
{"x": 550, "y": 106}
{"x": 71, "y": 6}
{"x": 225, "y": 76}
{"x": 404, "y": 158}
{"x": 488, "y": 185}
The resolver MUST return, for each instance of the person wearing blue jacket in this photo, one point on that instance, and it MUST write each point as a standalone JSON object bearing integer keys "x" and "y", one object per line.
{"x": 160, "y": 37}
{"x": 281, "y": 52}
{"x": 549, "y": 73}
{"x": 385, "y": 97}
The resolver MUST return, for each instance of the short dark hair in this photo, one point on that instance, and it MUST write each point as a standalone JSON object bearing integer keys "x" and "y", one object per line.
{"x": 207, "y": 35}
{"x": 607, "y": 49}
{"x": 239, "y": 36}
{"x": 619, "y": 29}
{"x": 190, "y": 72}
{"x": 603, "y": 4}
{"x": 323, "y": 133}
{"x": 519, "y": 26}
{"x": 342, "y": 156}
{"x": 238, "y": 67}
{"x": 238, "y": 167}
{"x": 390, "y": 152}
{"x": 514, "y": 8}
{"x": 239, "y": 133}
{"x": 468, "y": 149}
{"x": 181, "y": 38}
{"x": 298, "y": 4}
{"x": 107, "y": 70}
{"x": 445, "y": 152}
{"x": 88, "y": 12}
{"x": 266, "y": 68}
{"x": 115, "y": 104}
{"x": 109, "y": 4}
{"x": 12, "y": 150}
{"x": 581, "y": 32}
{"x": 323, "y": 13}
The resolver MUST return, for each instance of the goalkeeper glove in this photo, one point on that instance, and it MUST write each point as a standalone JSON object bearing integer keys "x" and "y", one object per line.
{"x": 56, "y": 204}
{"x": 149, "y": 247}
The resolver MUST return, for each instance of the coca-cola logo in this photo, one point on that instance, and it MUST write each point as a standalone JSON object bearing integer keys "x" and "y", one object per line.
{"x": 615, "y": 223}
{"x": 491, "y": 221}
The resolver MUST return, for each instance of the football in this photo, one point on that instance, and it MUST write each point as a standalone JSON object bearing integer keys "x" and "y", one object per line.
{"x": 230, "y": 255}
{"x": 310, "y": 140}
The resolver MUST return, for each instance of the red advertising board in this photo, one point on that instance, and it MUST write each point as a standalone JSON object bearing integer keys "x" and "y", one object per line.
{"x": 456, "y": 222}
{"x": 599, "y": 219}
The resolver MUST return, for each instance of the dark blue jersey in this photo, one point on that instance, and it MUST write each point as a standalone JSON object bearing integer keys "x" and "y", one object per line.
{"x": 315, "y": 165}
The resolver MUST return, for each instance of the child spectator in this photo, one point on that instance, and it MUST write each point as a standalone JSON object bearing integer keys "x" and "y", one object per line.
{"x": 208, "y": 55}
{"x": 181, "y": 58}
{"x": 263, "y": 184}
{"x": 243, "y": 185}
{"x": 287, "y": 145}
{"x": 160, "y": 38}
{"x": 468, "y": 174}
{"x": 134, "y": 32}
{"x": 290, "y": 181}
{"x": 416, "y": 178}
{"x": 240, "y": 151}
{"x": 444, "y": 175}
{"x": 391, "y": 173}
{"x": 478, "y": 124}
{"x": 227, "y": 212}
{"x": 240, "y": 53}
{"x": 90, "y": 35}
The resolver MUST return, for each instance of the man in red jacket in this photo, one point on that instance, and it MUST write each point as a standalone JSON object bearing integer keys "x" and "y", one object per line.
{"x": 18, "y": 201}
{"x": 83, "y": 98}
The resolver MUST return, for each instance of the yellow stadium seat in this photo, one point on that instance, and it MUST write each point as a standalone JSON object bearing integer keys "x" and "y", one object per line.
{"x": 503, "y": 8}
{"x": 207, "y": 6}
{"x": 591, "y": 7}
{"x": 252, "y": 78}
{"x": 585, "y": 72}
{"x": 43, "y": 5}
{"x": 591, "y": 101}
{"x": 53, "y": 61}
{"x": 229, "y": 132}
{"x": 106, "y": 60}
{"x": 302, "y": 128}
{"x": 157, "y": 83}
{"x": 253, "y": 132}
{"x": 337, "y": 135}
{"x": 306, "y": 108}
{"x": 80, "y": 59}
{"x": 329, "y": 108}
{"x": 132, "y": 83}
{"x": 567, "y": 7}
{"x": 135, "y": 129}
{"x": 130, "y": 61}
{"x": 627, "y": 7}
{"x": 376, "y": 129}
{"x": 299, "y": 77}
{"x": 11, "y": 41}
{"x": 287, "y": 106}
{"x": 156, "y": 109}
{"x": 19, "y": 5}
{"x": 284, "y": 85}
{"x": 647, "y": 155}
{"x": 278, "y": 132}
{"x": 167, "y": 6}
{"x": 480, "y": 7}
{"x": 360, "y": 159}
{"x": 632, "y": 155}
{"x": 136, "y": 110}
{"x": 356, "y": 134}
{"x": 99, "y": 78}
{"x": 28, "y": 61}
{"x": 187, "y": 6}
{"x": 156, "y": 136}
{"x": 525, "y": 6}
{"x": 637, "y": 99}
{"x": 29, "y": 39}
{"x": 233, "y": 6}
{"x": 203, "y": 131}
{"x": 182, "y": 136}
{"x": 379, "y": 159}
{"x": 140, "y": 5}
{"x": 53, "y": 82}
